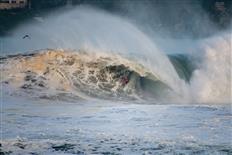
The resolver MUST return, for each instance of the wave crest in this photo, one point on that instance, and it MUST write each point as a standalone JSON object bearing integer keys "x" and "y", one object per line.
{"x": 81, "y": 74}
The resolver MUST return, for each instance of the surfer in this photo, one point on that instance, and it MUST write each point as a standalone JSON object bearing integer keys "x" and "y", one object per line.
{"x": 124, "y": 80}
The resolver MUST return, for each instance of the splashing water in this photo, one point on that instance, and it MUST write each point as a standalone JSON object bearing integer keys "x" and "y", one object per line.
{"x": 93, "y": 64}
{"x": 97, "y": 31}
{"x": 93, "y": 29}
{"x": 211, "y": 82}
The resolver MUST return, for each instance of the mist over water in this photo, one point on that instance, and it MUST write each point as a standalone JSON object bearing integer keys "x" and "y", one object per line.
{"x": 140, "y": 79}
{"x": 99, "y": 31}
{"x": 211, "y": 82}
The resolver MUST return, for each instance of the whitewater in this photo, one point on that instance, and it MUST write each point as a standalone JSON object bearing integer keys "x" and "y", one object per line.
{"x": 91, "y": 82}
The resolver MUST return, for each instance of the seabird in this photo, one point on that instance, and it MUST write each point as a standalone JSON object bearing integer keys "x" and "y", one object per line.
{"x": 26, "y": 36}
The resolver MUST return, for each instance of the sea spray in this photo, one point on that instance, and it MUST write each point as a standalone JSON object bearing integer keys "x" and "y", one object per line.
{"x": 94, "y": 29}
{"x": 98, "y": 32}
{"x": 211, "y": 82}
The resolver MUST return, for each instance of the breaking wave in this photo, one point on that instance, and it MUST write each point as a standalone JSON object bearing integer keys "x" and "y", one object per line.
{"x": 81, "y": 74}
{"x": 115, "y": 61}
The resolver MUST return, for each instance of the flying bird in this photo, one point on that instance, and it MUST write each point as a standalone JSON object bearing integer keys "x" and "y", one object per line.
{"x": 26, "y": 36}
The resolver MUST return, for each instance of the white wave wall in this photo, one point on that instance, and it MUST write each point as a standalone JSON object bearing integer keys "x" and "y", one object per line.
{"x": 211, "y": 82}
{"x": 99, "y": 31}
{"x": 95, "y": 30}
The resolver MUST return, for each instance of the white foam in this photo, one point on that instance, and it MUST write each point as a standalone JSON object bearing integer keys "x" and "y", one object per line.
{"x": 211, "y": 82}
{"x": 91, "y": 28}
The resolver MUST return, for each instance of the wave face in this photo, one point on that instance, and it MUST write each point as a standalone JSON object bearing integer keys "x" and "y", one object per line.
{"x": 53, "y": 73}
{"x": 92, "y": 29}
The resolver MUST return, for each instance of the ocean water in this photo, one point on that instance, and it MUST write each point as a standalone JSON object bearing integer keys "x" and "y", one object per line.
{"x": 87, "y": 81}
{"x": 102, "y": 127}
